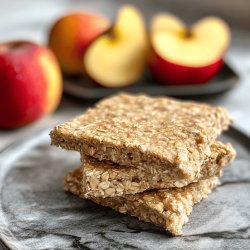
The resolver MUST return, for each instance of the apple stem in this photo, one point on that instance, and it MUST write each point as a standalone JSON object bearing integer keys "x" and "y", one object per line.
{"x": 11, "y": 45}
{"x": 112, "y": 33}
{"x": 188, "y": 33}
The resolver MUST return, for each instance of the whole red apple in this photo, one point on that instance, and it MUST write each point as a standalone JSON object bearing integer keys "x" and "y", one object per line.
{"x": 70, "y": 36}
{"x": 30, "y": 83}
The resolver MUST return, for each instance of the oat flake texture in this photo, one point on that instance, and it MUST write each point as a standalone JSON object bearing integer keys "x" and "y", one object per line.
{"x": 106, "y": 179}
{"x": 169, "y": 208}
{"x": 137, "y": 130}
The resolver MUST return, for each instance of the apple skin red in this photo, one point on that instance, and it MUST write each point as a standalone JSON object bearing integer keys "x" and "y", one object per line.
{"x": 170, "y": 73}
{"x": 23, "y": 84}
{"x": 70, "y": 36}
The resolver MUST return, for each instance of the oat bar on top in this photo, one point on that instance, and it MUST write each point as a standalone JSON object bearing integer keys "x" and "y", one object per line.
{"x": 137, "y": 130}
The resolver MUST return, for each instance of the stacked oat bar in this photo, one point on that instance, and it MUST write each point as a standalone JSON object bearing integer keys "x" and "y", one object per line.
{"x": 152, "y": 158}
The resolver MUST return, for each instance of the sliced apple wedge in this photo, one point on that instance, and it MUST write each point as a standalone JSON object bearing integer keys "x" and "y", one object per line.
{"x": 118, "y": 57}
{"x": 182, "y": 55}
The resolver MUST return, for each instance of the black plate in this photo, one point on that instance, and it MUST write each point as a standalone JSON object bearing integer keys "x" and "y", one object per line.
{"x": 35, "y": 212}
{"x": 84, "y": 88}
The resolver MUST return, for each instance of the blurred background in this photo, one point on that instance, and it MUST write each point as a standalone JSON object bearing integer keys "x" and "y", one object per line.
{"x": 33, "y": 20}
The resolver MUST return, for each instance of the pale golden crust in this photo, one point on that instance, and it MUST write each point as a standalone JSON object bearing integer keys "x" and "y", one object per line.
{"x": 169, "y": 208}
{"x": 106, "y": 179}
{"x": 142, "y": 131}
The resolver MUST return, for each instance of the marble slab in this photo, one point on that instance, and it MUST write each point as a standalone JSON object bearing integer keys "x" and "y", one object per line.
{"x": 35, "y": 212}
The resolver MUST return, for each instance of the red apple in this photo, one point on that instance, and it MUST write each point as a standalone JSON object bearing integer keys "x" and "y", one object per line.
{"x": 71, "y": 35}
{"x": 30, "y": 83}
{"x": 182, "y": 55}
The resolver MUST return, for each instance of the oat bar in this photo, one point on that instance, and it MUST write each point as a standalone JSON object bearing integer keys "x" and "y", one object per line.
{"x": 106, "y": 179}
{"x": 159, "y": 132}
{"x": 169, "y": 208}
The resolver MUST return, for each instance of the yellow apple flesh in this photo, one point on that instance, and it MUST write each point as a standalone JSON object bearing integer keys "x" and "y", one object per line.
{"x": 118, "y": 57}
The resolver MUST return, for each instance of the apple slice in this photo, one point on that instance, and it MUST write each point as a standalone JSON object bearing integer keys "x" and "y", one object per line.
{"x": 118, "y": 57}
{"x": 182, "y": 55}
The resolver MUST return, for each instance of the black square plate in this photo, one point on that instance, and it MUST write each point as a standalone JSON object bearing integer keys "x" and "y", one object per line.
{"x": 84, "y": 88}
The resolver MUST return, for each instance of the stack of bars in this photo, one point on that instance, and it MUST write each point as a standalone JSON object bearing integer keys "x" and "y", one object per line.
{"x": 152, "y": 158}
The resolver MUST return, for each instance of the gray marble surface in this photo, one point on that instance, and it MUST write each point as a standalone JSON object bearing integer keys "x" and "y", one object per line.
{"x": 35, "y": 212}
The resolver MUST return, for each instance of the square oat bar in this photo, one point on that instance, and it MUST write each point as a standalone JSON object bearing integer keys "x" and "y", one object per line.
{"x": 137, "y": 130}
{"x": 169, "y": 208}
{"x": 106, "y": 179}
